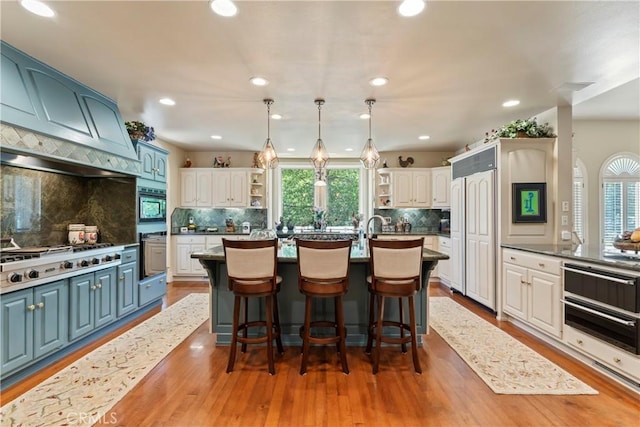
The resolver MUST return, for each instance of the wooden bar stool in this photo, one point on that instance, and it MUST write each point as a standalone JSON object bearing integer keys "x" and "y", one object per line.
{"x": 252, "y": 272}
{"x": 396, "y": 267}
{"x": 323, "y": 272}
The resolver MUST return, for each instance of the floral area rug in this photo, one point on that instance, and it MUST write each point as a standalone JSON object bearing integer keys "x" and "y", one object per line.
{"x": 505, "y": 364}
{"x": 82, "y": 393}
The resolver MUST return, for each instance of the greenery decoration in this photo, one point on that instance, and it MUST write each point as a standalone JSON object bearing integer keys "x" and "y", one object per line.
{"x": 528, "y": 128}
{"x": 138, "y": 130}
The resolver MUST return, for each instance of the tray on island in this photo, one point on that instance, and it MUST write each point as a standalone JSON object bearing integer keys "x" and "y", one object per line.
{"x": 627, "y": 246}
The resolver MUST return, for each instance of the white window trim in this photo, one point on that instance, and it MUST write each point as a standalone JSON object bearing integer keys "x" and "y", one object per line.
{"x": 585, "y": 200}
{"x": 364, "y": 191}
{"x": 602, "y": 179}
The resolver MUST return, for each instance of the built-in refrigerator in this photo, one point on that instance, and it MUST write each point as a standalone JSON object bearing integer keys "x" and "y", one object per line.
{"x": 473, "y": 227}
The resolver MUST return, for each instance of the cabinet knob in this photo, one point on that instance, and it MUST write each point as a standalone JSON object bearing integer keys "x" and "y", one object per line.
{"x": 523, "y": 282}
{"x": 93, "y": 288}
{"x": 31, "y": 307}
{"x": 579, "y": 342}
{"x": 122, "y": 278}
{"x": 616, "y": 359}
{"x": 161, "y": 280}
{"x": 99, "y": 285}
{"x": 148, "y": 286}
{"x": 40, "y": 304}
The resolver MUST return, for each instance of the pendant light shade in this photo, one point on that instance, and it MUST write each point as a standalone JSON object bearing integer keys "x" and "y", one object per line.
{"x": 268, "y": 157}
{"x": 319, "y": 155}
{"x": 370, "y": 156}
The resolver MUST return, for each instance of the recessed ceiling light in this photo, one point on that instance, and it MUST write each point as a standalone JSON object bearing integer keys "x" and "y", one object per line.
{"x": 223, "y": 7}
{"x": 511, "y": 103}
{"x": 291, "y": 149}
{"x": 37, "y": 7}
{"x": 348, "y": 149}
{"x": 411, "y": 7}
{"x": 276, "y": 116}
{"x": 378, "y": 81}
{"x": 259, "y": 81}
{"x": 424, "y": 137}
{"x": 216, "y": 137}
{"x": 364, "y": 116}
{"x": 167, "y": 101}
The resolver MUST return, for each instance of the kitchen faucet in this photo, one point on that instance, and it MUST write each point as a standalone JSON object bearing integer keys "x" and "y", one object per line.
{"x": 384, "y": 221}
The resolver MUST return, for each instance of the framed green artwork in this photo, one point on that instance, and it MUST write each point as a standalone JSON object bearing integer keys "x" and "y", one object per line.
{"x": 529, "y": 202}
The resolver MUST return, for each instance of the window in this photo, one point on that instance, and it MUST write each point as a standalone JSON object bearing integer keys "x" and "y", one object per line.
{"x": 579, "y": 200}
{"x": 620, "y": 196}
{"x": 340, "y": 197}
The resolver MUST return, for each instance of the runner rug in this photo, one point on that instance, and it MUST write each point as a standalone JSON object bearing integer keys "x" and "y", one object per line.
{"x": 505, "y": 364}
{"x": 82, "y": 393}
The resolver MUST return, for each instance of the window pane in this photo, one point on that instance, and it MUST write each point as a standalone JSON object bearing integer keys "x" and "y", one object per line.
{"x": 633, "y": 206}
{"x": 297, "y": 196}
{"x": 343, "y": 186}
{"x": 578, "y": 208}
{"x": 613, "y": 220}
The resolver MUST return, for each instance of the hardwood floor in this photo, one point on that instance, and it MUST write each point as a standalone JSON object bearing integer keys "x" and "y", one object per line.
{"x": 190, "y": 387}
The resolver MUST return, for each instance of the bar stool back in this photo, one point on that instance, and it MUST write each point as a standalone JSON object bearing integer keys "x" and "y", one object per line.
{"x": 323, "y": 272}
{"x": 396, "y": 267}
{"x": 252, "y": 272}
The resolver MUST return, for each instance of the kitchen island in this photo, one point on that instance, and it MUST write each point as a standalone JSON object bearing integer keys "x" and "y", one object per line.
{"x": 291, "y": 301}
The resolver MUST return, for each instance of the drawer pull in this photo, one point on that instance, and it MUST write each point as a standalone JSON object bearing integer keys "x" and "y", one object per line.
{"x": 617, "y": 359}
{"x": 540, "y": 264}
{"x": 161, "y": 280}
{"x": 31, "y": 307}
{"x": 40, "y": 304}
{"x": 625, "y": 322}
{"x": 512, "y": 258}
{"x": 148, "y": 286}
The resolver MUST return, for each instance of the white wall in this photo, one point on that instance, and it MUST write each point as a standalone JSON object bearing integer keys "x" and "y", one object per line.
{"x": 594, "y": 141}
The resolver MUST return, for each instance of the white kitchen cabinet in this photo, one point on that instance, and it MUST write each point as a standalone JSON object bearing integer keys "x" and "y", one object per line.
{"x": 444, "y": 265}
{"x": 533, "y": 290}
{"x": 195, "y": 187}
{"x": 184, "y": 246}
{"x": 441, "y": 187}
{"x": 412, "y": 189}
{"x": 230, "y": 188}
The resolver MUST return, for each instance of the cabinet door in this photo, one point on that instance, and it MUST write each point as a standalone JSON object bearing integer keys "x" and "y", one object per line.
{"x": 183, "y": 258}
{"x": 16, "y": 323}
{"x": 441, "y": 187}
{"x": 220, "y": 184}
{"x": 457, "y": 229}
{"x": 238, "y": 189}
{"x": 50, "y": 317}
{"x": 16, "y": 104}
{"x": 104, "y": 117}
{"x": 196, "y": 267}
{"x": 127, "y": 293}
{"x": 161, "y": 167}
{"x": 544, "y": 301}
{"x": 147, "y": 158}
{"x": 421, "y": 189}
{"x": 480, "y": 271}
{"x": 188, "y": 188}
{"x": 402, "y": 189}
{"x": 515, "y": 290}
{"x": 105, "y": 297}
{"x": 81, "y": 305}
{"x": 204, "y": 192}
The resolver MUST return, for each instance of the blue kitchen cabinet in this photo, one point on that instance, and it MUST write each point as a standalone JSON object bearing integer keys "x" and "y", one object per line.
{"x": 154, "y": 162}
{"x": 127, "y": 292}
{"x": 40, "y": 98}
{"x": 152, "y": 288}
{"x": 33, "y": 324}
{"x": 92, "y": 301}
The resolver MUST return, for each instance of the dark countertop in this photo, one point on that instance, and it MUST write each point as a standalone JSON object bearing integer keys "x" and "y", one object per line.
{"x": 359, "y": 253}
{"x": 221, "y": 232}
{"x": 590, "y": 254}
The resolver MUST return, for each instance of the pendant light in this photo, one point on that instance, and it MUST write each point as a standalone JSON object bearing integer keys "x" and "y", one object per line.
{"x": 268, "y": 156}
{"x": 369, "y": 156}
{"x": 319, "y": 155}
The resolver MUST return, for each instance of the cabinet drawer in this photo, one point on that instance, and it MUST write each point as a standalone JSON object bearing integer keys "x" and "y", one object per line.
{"x": 152, "y": 289}
{"x": 537, "y": 262}
{"x": 129, "y": 255}
{"x": 189, "y": 240}
{"x": 616, "y": 359}
{"x": 444, "y": 243}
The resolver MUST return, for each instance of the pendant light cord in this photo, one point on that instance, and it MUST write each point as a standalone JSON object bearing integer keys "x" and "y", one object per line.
{"x": 319, "y": 107}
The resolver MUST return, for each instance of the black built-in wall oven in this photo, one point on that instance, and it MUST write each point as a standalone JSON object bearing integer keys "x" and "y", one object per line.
{"x": 604, "y": 304}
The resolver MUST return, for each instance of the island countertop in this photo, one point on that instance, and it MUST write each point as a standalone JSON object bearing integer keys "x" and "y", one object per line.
{"x": 287, "y": 254}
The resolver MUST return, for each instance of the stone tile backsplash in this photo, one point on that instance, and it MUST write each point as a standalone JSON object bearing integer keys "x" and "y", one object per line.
{"x": 421, "y": 220}
{"x": 215, "y": 217}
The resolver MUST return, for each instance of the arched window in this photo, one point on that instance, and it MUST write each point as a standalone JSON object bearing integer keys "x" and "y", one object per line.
{"x": 580, "y": 220}
{"x": 620, "y": 196}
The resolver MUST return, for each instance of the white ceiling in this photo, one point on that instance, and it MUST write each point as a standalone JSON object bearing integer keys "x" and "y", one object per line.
{"x": 450, "y": 68}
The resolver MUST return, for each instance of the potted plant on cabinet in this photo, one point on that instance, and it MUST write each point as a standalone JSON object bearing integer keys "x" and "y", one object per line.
{"x": 527, "y": 128}
{"x": 139, "y": 131}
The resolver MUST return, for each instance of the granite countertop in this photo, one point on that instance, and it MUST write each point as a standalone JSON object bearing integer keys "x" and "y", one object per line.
{"x": 590, "y": 254}
{"x": 288, "y": 253}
